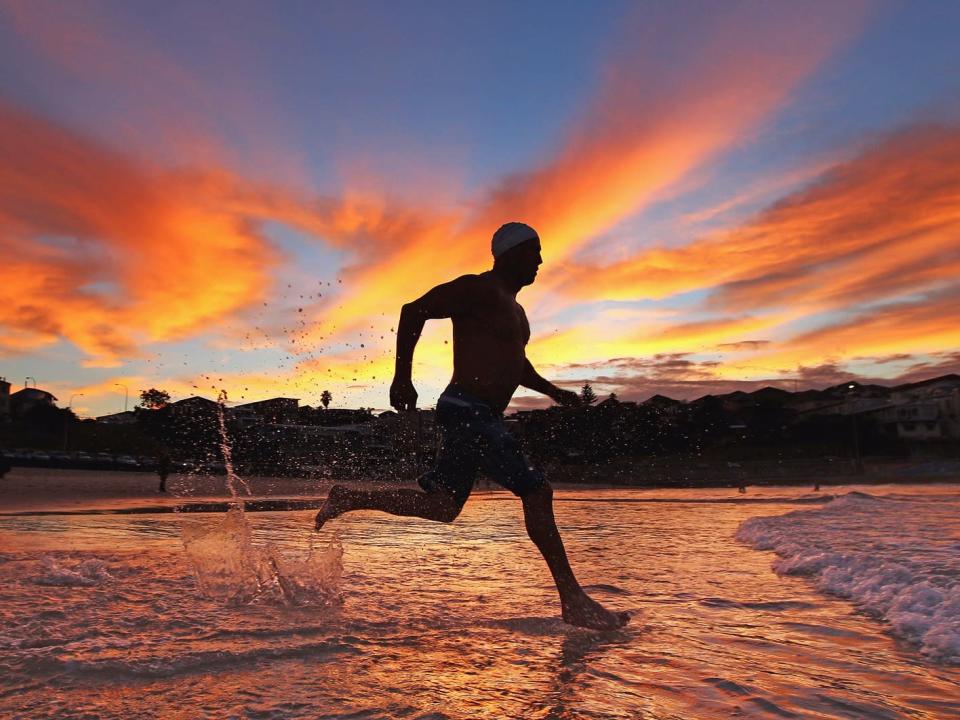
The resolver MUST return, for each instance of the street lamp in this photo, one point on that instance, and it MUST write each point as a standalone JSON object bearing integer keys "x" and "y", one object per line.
{"x": 126, "y": 394}
{"x": 852, "y": 406}
{"x": 66, "y": 421}
{"x": 28, "y": 377}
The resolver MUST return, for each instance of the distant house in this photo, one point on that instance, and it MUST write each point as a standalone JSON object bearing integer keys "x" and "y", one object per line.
{"x": 341, "y": 416}
{"x": 244, "y": 417}
{"x": 859, "y": 406}
{"x": 770, "y": 394}
{"x": 664, "y": 405}
{"x": 949, "y": 405}
{"x": 127, "y": 417}
{"x": 195, "y": 406}
{"x": 22, "y": 401}
{"x": 279, "y": 410}
{"x": 4, "y": 397}
{"x": 934, "y": 387}
{"x": 822, "y": 405}
{"x": 926, "y": 410}
{"x": 933, "y": 417}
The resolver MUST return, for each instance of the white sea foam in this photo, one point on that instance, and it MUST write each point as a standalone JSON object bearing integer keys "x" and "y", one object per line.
{"x": 896, "y": 558}
{"x": 82, "y": 574}
{"x": 230, "y": 567}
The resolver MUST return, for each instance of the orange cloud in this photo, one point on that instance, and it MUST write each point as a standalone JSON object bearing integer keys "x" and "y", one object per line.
{"x": 645, "y": 129}
{"x": 110, "y": 252}
{"x": 882, "y": 223}
{"x": 608, "y": 337}
{"x": 168, "y": 109}
{"x": 928, "y": 325}
{"x": 877, "y": 232}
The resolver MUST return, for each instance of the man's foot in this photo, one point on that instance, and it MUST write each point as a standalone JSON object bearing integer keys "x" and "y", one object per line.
{"x": 583, "y": 611}
{"x": 335, "y": 505}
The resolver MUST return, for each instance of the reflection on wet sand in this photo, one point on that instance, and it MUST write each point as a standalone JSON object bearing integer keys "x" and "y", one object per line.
{"x": 103, "y": 612}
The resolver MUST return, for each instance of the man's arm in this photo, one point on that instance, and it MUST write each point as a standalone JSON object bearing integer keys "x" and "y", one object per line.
{"x": 533, "y": 380}
{"x": 443, "y": 301}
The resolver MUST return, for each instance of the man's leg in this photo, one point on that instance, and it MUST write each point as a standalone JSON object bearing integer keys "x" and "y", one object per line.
{"x": 438, "y": 506}
{"x": 447, "y": 485}
{"x": 577, "y": 607}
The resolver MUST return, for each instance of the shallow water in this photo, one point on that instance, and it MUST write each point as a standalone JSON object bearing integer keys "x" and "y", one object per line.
{"x": 102, "y": 616}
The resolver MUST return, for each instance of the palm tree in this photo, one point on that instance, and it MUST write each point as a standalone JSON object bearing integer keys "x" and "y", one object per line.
{"x": 325, "y": 398}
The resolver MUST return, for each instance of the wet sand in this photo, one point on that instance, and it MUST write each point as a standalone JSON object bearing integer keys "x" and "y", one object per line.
{"x": 103, "y": 616}
{"x": 26, "y": 489}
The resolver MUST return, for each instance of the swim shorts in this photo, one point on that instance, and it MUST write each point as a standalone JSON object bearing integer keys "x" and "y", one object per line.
{"x": 472, "y": 437}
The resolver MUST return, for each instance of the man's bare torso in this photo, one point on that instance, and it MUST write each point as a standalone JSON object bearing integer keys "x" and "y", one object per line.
{"x": 489, "y": 342}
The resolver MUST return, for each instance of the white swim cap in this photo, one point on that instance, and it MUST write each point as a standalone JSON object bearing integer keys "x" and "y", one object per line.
{"x": 510, "y": 235}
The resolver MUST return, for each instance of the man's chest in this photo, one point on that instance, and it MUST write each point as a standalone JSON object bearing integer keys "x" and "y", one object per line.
{"x": 504, "y": 318}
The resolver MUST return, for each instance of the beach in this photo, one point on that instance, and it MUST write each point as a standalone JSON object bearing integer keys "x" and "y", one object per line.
{"x": 738, "y": 601}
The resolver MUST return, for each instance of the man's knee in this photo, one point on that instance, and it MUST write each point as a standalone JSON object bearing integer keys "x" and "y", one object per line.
{"x": 540, "y": 495}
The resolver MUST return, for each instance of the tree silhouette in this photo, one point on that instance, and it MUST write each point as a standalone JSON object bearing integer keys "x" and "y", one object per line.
{"x": 154, "y": 399}
{"x": 587, "y": 395}
{"x": 325, "y": 398}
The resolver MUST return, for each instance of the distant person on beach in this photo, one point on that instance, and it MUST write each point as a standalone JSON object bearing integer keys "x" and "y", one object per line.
{"x": 163, "y": 471}
{"x": 490, "y": 332}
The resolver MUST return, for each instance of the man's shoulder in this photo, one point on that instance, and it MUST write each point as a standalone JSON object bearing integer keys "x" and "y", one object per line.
{"x": 484, "y": 277}
{"x": 474, "y": 292}
{"x": 474, "y": 282}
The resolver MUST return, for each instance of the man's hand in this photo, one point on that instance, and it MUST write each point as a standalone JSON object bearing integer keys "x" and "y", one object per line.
{"x": 566, "y": 398}
{"x": 403, "y": 396}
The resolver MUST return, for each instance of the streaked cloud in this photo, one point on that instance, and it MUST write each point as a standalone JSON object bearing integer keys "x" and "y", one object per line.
{"x": 877, "y": 224}
{"x": 743, "y": 345}
{"x": 110, "y": 252}
{"x": 645, "y": 129}
{"x": 119, "y": 251}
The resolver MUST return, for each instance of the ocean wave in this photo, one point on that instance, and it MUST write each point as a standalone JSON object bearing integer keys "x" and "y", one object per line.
{"x": 86, "y": 573}
{"x": 896, "y": 559}
{"x": 806, "y": 499}
{"x": 184, "y": 663}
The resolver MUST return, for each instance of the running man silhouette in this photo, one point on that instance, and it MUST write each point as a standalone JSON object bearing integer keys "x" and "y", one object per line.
{"x": 490, "y": 333}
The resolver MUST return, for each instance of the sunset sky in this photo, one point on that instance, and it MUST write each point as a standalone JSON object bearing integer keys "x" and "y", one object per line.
{"x": 196, "y": 196}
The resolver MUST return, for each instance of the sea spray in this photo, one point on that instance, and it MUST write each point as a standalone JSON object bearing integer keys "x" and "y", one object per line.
{"x": 85, "y": 573}
{"x": 229, "y": 567}
{"x": 226, "y": 449}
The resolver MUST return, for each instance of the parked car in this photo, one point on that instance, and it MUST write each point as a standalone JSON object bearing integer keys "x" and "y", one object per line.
{"x": 127, "y": 461}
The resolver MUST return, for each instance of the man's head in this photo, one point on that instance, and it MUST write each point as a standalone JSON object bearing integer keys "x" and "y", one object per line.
{"x": 516, "y": 252}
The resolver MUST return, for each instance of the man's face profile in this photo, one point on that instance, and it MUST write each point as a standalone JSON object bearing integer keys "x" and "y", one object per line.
{"x": 523, "y": 260}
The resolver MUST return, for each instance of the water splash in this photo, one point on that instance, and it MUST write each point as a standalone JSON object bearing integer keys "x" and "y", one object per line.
{"x": 91, "y": 571}
{"x": 229, "y": 567}
{"x": 226, "y": 450}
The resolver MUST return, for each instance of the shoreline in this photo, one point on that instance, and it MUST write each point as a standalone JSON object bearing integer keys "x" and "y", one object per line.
{"x": 62, "y": 491}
